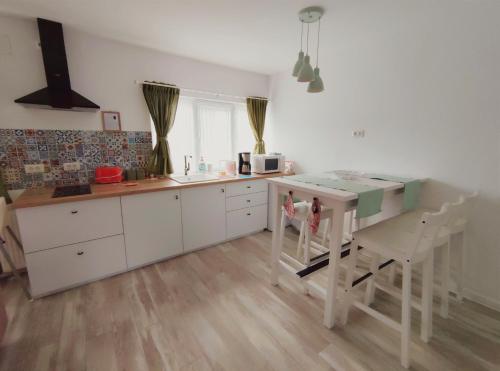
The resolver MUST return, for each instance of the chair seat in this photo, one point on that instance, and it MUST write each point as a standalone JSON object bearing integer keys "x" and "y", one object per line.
{"x": 388, "y": 240}
{"x": 409, "y": 221}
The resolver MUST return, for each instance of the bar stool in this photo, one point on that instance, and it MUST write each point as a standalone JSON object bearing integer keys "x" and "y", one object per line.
{"x": 385, "y": 240}
{"x": 455, "y": 231}
{"x": 302, "y": 210}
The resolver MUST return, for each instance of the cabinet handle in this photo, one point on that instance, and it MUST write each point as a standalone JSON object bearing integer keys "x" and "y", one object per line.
{"x": 249, "y": 187}
{"x": 249, "y": 214}
{"x": 79, "y": 253}
{"x": 222, "y": 190}
{"x": 176, "y": 197}
{"x": 248, "y": 200}
{"x": 74, "y": 211}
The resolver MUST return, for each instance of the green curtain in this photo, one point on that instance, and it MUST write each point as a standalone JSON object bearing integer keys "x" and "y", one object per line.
{"x": 256, "y": 109}
{"x": 162, "y": 104}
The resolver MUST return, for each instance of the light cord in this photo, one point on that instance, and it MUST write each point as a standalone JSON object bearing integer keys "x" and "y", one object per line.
{"x": 307, "y": 45}
{"x": 317, "y": 47}
{"x": 301, "y": 34}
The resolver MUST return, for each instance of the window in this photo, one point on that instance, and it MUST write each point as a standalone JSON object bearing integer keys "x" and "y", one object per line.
{"x": 215, "y": 130}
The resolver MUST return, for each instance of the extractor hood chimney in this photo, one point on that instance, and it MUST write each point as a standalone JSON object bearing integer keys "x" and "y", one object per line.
{"x": 58, "y": 93}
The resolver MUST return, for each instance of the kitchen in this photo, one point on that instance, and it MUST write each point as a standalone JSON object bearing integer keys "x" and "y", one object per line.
{"x": 183, "y": 245}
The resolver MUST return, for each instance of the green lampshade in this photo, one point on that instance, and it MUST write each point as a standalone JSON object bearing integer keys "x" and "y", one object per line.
{"x": 306, "y": 72}
{"x": 316, "y": 86}
{"x": 298, "y": 64}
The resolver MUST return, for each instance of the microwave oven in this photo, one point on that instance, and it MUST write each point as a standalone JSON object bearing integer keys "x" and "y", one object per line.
{"x": 264, "y": 164}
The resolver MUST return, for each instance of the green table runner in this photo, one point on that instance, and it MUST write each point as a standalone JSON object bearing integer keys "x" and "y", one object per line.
{"x": 369, "y": 197}
{"x": 411, "y": 189}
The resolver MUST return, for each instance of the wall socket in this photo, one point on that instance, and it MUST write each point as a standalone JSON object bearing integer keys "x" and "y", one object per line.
{"x": 71, "y": 166}
{"x": 358, "y": 133}
{"x": 34, "y": 168}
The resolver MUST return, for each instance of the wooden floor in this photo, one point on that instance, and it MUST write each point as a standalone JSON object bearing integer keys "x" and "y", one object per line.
{"x": 215, "y": 310}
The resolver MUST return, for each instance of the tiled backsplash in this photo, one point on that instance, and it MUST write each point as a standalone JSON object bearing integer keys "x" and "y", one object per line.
{"x": 55, "y": 147}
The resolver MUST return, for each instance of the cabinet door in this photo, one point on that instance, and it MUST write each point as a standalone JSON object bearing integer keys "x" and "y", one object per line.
{"x": 152, "y": 226}
{"x": 203, "y": 216}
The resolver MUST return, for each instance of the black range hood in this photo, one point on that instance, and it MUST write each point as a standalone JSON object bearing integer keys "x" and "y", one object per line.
{"x": 58, "y": 93}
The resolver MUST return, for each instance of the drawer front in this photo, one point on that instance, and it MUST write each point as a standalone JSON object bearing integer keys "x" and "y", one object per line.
{"x": 243, "y": 188}
{"x": 50, "y": 226}
{"x": 246, "y": 201}
{"x": 65, "y": 266}
{"x": 245, "y": 221}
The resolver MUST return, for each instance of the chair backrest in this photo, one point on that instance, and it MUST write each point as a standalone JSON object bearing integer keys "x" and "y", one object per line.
{"x": 428, "y": 228}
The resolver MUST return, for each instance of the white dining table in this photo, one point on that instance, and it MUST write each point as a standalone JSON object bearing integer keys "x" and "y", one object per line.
{"x": 340, "y": 202}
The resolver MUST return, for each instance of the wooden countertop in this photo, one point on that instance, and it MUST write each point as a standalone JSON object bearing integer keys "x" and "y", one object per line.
{"x": 43, "y": 196}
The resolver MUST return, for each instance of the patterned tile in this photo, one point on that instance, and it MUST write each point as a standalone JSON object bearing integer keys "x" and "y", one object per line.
{"x": 55, "y": 147}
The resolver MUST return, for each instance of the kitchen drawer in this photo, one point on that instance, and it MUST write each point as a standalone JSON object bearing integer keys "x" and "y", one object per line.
{"x": 50, "y": 226}
{"x": 65, "y": 266}
{"x": 243, "y": 188}
{"x": 245, "y": 221}
{"x": 246, "y": 201}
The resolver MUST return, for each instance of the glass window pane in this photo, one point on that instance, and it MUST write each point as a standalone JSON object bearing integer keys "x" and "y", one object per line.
{"x": 215, "y": 139}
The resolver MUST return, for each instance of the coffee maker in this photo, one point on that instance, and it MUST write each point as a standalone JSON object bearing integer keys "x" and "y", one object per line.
{"x": 244, "y": 163}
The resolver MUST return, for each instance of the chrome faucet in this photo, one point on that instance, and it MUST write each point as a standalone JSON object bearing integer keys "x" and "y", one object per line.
{"x": 187, "y": 164}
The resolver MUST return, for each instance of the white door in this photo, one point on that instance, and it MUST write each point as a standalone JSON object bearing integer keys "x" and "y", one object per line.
{"x": 203, "y": 216}
{"x": 152, "y": 226}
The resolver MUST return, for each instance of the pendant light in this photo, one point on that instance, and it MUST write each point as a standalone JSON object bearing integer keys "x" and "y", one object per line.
{"x": 306, "y": 72}
{"x": 303, "y": 69}
{"x": 316, "y": 86}
{"x": 300, "y": 60}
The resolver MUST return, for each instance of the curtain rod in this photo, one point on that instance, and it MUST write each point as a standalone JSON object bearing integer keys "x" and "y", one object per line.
{"x": 197, "y": 91}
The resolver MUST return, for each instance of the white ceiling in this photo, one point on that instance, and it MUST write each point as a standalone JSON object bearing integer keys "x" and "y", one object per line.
{"x": 256, "y": 35}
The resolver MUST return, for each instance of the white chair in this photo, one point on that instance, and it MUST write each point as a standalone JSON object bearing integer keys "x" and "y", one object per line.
{"x": 3, "y": 250}
{"x": 384, "y": 240}
{"x": 454, "y": 231}
{"x": 302, "y": 210}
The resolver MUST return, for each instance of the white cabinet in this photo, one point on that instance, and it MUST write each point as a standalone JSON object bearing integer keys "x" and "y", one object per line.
{"x": 44, "y": 227}
{"x": 245, "y": 221}
{"x": 246, "y": 208}
{"x": 54, "y": 269}
{"x": 243, "y": 188}
{"x": 203, "y": 216}
{"x": 152, "y": 226}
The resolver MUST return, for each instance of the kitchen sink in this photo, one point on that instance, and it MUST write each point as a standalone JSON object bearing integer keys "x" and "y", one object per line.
{"x": 193, "y": 178}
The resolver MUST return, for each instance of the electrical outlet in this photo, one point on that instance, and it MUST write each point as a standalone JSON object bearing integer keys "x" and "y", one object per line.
{"x": 358, "y": 133}
{"x": 71, "y": 166}
{"x": 34, "y": 168}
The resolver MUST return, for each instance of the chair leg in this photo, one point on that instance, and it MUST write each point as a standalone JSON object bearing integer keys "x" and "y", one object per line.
{"x": 392, "y": 274}
{"x": 351, "y": 267}
{"x": 370, "y": 287}
{"x": 300, "y": 244}
{"x": 460, "y": 241}
{"x": 406, "y": 316}
{"x": 307, "y": 246}
{"x": 427, "y": 297}
{"x": 325, "y": 232}
{"x": 14, "y": 271}
{"x": 445, "y": 278}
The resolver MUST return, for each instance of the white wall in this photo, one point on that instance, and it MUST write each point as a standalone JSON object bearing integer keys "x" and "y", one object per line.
{"x": 103, "y": 71}
{"x": 423, "y": 80}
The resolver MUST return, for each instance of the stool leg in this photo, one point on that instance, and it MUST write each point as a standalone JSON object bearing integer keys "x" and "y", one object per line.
{"x": 351, "y": 267}
{"x": 300, "y": 244}
{"x": 277, "y": 245}
{"x": 392, "y": 274}
{"x": 427, "y": 287}
{"x": 406, "y": 316}
{"x": 370, "y": 287}
{"x": 445, "y": 277}
{"x": 307, "y": 246}
{"x": 325, "y": 232}
{"x": 460, "y": 241}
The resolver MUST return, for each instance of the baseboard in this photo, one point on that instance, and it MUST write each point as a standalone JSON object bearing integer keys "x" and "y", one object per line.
{"x": 483, "y": 300}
